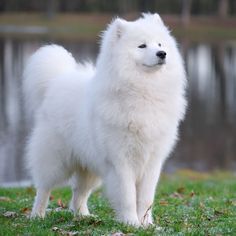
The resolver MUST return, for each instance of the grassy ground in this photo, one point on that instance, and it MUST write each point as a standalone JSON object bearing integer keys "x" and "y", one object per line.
{"x": 186, "y": 203}
{"x": 88, "y": 26}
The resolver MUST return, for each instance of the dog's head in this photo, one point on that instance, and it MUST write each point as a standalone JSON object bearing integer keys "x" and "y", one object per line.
{"x": 144, "y": 45}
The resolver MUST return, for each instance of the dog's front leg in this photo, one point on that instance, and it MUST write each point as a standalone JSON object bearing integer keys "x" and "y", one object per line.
{"x": 146, "y": 192}
{"x": 121, "y": 192}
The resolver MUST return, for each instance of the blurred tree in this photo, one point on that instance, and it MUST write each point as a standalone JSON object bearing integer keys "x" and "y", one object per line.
{"x": 51, "y": 8}
{"x": 125, "y": 6}
{"x": 187, "y": 8}
{"x": 122, "y": 6}
{"x": 146, "y": 5}
{"x": 221, "y": 79}
{"x": 223, "y": 8}
{"x": 186, "y": 12}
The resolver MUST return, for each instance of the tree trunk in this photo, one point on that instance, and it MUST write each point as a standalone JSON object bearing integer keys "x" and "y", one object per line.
{"x": 186, "y": 12}
{"x": 51, "y": 8}
{"x": 223, "y": 8}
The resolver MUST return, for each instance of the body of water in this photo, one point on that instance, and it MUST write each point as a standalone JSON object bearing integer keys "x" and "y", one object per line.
{"x": 207, "y": 137}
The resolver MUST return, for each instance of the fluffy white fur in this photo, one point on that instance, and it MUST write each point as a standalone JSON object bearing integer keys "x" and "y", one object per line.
{"x": 117, "y": 122}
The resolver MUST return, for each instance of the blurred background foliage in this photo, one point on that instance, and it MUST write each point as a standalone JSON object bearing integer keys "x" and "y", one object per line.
{"x": 198, "y": 7}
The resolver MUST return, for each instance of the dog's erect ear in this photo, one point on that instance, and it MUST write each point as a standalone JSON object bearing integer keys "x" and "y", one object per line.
{"x": 153, "y": 17}
{"x": 158, "y": 18}
{"x": 115, "y": 31}
{"x": 119, "y": 26}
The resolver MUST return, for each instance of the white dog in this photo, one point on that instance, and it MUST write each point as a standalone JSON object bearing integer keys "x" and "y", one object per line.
{"x": 117, "y": 122}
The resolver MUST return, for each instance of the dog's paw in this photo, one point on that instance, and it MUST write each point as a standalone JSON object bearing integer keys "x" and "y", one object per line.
{"x": 147, "y": 219}
{"x": 35, "y": 215}
{"x": 133, "y": 221}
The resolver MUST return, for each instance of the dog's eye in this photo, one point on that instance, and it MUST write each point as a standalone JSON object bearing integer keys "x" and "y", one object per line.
{"x": 159, "y": 44}
{"x": 142, "y": 45}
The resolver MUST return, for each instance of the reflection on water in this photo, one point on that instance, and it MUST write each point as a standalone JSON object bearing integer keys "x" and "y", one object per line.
{"x": 208, "y": 135}
{"x": 209, "y": 132}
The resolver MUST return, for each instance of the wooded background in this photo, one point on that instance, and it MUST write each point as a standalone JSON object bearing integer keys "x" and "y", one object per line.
{"x": 222, "y": 8}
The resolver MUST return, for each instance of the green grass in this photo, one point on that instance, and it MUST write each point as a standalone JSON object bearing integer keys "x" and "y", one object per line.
{"x": 187, "y": 203}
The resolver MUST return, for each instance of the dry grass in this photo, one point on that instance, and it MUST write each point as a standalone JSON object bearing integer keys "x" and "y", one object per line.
{"x": 88, "y": 26}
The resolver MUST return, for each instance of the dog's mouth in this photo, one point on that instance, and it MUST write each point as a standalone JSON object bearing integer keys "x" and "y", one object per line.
{"x": 159, "y": 63}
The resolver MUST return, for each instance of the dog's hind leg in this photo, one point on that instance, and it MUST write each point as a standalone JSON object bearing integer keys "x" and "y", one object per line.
{"x": 83, "y": 183}
{"x": 40, "y": 203}
{"x": 46, "y": 161}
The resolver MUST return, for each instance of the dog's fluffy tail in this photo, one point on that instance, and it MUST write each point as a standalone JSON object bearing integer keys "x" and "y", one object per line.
{"x": 46, "y": 64}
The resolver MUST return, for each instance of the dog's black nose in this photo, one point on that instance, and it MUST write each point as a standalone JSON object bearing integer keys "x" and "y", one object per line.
{"x": 161, "y": 54}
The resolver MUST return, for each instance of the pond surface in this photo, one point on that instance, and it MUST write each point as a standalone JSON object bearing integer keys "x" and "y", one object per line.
{"x": 207, "y": 137}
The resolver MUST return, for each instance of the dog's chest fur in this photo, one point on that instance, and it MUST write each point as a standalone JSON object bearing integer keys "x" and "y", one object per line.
{"x": 143, "y": 117}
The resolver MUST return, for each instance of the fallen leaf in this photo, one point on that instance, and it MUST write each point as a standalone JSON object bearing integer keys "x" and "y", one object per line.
{"x": 60, "y": 203}
{"x": 65, "y": 232}
{"x": 4, "y": 199}
{"x": 30, "y": 190}
{"x": 192, "y": 194}
{"x": 163, "y": 203}
{"x": 10, "y": 214}
{"x": 176, "y": 195}
{"x": 51, "y": 198}
{"x": 26, "y": 210}
{"x": 216, "y": 212}
{"x": 180, "y": 190}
